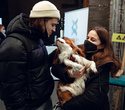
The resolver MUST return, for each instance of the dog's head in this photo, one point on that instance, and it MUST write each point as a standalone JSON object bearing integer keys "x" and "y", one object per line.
{"x": 64, "y": 44}
{"x": 67, "y": 44}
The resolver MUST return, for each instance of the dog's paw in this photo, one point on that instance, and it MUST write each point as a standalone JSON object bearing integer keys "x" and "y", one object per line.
{"x": 75, "y": 68}
{"x": 77, "y": 58}
{"x": 93, "y": 67}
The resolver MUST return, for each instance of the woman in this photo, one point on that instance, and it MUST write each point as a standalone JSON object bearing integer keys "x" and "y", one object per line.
{"x": 97, "y": 47}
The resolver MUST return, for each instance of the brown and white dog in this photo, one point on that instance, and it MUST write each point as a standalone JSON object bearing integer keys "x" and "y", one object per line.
{"x": 74, "y": 59}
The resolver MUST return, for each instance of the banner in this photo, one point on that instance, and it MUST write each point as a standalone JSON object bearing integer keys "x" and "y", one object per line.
{"x": 76, "y": 25}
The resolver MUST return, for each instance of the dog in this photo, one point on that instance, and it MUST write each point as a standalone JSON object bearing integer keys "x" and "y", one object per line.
{"x": 74, "y": 59}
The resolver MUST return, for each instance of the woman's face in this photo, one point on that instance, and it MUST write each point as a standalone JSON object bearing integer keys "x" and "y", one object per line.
{"x": 94, "y": 38}
{"x": 51, "y": 26}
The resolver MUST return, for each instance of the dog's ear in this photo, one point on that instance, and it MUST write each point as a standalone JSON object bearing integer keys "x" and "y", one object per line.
{"x": 73, "y": 40}
{"x": 77, "y": 49}
{"x": 80, "y": 52}
{"x": 74, "y": 46}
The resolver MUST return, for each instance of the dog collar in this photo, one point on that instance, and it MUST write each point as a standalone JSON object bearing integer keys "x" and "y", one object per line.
{"x": 71, "y": 58}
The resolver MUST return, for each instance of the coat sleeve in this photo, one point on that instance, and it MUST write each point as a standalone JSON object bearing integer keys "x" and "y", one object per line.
{"x": 95, "y": 94}
{"x": 13, "y": 73}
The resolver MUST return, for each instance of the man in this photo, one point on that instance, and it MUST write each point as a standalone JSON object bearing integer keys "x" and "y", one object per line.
{"x": 27, "y": 87}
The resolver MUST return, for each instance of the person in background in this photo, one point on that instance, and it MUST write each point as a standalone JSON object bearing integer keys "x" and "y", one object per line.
{"x": 23, "y": 87}
{"x": 98, "y": 48}
{"x": 2, "y": 33}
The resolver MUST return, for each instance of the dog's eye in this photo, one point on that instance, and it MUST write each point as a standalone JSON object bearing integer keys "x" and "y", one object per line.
{"x": 61, "y": 42}
{"x": 63, "y": 37}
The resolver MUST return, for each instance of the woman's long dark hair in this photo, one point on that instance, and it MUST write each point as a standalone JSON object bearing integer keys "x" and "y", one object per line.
{"x": 107, "y": 54}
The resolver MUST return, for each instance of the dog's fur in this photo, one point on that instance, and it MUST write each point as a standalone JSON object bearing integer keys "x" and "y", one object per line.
{"x": 67, "y": 49}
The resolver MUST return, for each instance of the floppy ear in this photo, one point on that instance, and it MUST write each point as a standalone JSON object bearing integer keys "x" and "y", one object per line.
{"x": 73, "y": 40}
{"x": 77, "y": 49}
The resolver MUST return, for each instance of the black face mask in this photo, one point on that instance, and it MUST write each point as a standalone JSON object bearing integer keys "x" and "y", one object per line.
{"x": 89, "y": 47}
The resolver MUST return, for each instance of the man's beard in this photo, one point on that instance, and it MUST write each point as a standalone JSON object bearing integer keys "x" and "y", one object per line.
{"x": 46, "y": 39}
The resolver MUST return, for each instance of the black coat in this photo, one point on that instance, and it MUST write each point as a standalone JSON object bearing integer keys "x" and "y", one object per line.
{"x": 24, "y": 87}
{"x": 95, "y": 94}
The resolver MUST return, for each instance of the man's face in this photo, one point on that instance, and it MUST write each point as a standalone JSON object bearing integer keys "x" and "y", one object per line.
{"x": 51, "y": 26}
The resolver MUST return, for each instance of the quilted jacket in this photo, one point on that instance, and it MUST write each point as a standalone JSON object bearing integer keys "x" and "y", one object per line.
{"x": 24, "y": 87}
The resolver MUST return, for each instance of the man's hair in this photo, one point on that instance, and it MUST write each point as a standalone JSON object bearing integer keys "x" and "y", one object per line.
{"x": 36, "y": 23}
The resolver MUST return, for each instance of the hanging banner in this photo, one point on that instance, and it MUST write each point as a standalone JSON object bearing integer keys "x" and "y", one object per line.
{"x": 118, "y": 37}
{"x": 76, "y": 25}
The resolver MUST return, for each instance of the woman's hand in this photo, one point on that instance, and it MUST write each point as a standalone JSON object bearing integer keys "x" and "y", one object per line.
{"x": 77, "y": 74}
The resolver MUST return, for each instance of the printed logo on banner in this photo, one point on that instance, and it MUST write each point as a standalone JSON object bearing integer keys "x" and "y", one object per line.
{"x": 74, "y": 27}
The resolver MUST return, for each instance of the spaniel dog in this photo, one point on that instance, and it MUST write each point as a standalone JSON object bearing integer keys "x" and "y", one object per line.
{"x": 74, "y": 59}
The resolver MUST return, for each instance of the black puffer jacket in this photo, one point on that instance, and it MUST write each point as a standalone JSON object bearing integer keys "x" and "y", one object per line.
{"x": 23, "y": 87}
